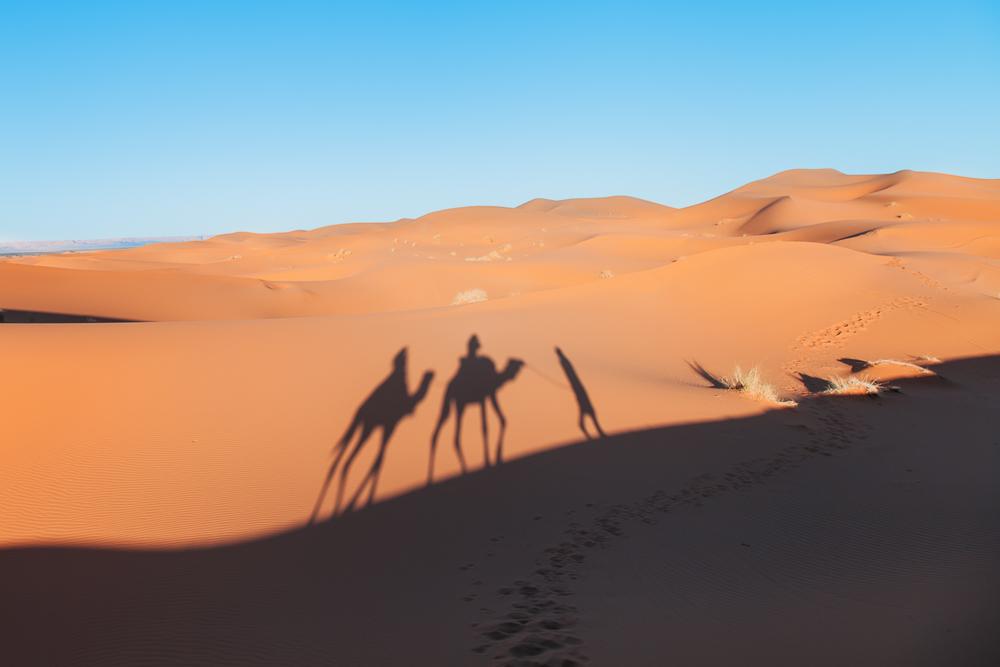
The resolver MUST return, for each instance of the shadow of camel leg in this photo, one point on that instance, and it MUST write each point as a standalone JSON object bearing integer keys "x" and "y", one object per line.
{"x": 377, "y": 466}
{"x": 430, "y": 462}
{"x": 442, "y": 418}
{"x": 374, "y": 483}
{"x": 371, "y": 478}
{"x": 352, "y": 503}
{"x": 459, "y": 409}
{"x": 342, "y": 482}
{"x": 583, "y": 426}
{"x": 597, "y": 424}
{"x": 322, "y": 494}
{"x": 322, "y": 491}
{"x": 341, "y": 450}
{"x": 503, "y": 427}
{"x": 486, "y": 434}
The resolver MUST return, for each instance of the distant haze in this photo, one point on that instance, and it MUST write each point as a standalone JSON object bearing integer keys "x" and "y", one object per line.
{"x": 39, "y": 247}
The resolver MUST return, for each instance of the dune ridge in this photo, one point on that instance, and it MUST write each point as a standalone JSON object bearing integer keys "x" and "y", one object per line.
{"x": 939, "y": 224}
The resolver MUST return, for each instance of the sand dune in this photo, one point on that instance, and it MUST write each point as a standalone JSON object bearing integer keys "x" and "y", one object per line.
{"x": 540, "y": 245}
{"x": 196, "y": 436}
{"x": 842, "y": 532}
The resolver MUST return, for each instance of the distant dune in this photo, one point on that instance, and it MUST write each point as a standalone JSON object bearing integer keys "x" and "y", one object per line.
{"x": 943, "y": 225}
{"x": 835, "y": 506}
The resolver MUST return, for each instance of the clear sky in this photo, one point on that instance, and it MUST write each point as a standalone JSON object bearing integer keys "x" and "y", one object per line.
{"x": 162, "y": 118}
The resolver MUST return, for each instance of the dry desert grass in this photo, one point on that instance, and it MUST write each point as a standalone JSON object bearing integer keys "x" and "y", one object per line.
{"x": 854, "y": 386}
{"x": 474, "y": 295}
{"x": 752, "y": 385}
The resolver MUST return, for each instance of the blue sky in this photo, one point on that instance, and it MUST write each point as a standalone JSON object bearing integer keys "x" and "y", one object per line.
{"x": 162, "y": 118}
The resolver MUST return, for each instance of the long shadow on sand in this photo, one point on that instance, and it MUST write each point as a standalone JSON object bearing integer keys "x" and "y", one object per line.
{"x": 8, "y": 316}
{"x": 384, "y": 408}
{"x": 489, "y": 561}
{"x": 812, "y": 383}
{"x": 713, "y": 380}
{"x": 582, "y": 397}
{"x": 475, "y": 381}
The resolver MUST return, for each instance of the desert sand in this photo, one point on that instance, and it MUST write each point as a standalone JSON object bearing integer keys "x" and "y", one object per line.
{"x": 159, "y": 475}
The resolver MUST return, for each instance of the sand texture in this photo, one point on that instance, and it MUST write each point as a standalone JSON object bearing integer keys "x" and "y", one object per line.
{"x": 250, "y": 457}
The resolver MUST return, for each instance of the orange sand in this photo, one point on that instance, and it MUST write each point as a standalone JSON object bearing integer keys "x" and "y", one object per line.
{"x": 213, "y": 418}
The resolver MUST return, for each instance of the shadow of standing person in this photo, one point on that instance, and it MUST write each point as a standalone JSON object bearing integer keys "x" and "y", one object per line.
{"x": 384, "y": 408}
{"x": 582, "y": 398}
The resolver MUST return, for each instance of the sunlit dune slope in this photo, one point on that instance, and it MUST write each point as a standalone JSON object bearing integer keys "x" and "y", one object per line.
{"x": 215, "y": 416}
{"x": 503, "y": 252}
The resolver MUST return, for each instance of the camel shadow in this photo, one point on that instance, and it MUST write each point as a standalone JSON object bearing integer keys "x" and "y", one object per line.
{"x": 384, "y": 408}
{"x": 582, "y": 398}
{"x": 476, "y": 381}
{"x": 332, "y": 593}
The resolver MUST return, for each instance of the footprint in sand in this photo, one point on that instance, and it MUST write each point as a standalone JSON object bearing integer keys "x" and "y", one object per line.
{"x": 838, "y": 333}
{"x": 537, "y": 628}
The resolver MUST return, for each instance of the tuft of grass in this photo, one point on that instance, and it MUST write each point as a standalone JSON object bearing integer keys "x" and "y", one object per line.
{"x": 752, "y": 385}
{"x": 474, "y": 295}
{"x": 854, "y": 386}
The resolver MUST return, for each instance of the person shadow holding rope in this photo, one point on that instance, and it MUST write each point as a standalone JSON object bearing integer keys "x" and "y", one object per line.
{"x": 582, "y": 398}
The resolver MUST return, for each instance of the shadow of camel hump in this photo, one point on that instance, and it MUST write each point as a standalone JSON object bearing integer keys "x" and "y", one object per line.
{"x": 475, "y": 381}
{"x": 582, "y": 398}
{"x": 384, "y": 408}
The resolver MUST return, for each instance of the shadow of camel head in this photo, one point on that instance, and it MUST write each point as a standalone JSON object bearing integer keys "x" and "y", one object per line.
{"x": 425, "y": 383}
{"x": 513, "y": 367}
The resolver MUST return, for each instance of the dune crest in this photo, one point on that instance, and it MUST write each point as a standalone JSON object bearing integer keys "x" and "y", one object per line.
{"x": 943, "y": 226}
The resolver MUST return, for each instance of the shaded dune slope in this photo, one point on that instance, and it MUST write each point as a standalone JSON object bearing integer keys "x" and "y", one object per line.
{"x": 788, "y": 531}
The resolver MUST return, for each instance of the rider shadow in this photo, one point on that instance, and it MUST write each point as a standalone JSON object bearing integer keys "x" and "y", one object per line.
{"x": 582, "y": 398}
{"x": 384, "y": 408}
{"x": 476, "y": 381}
